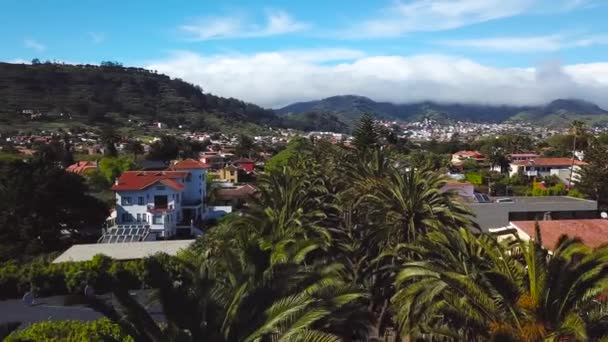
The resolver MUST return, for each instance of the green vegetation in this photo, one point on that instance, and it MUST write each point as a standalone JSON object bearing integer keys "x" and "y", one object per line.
{"x": 44, "y": 209}
{"x": 112, "y": 94}
{"x": 71, "y": 331}
{"x": 347, "y": 109}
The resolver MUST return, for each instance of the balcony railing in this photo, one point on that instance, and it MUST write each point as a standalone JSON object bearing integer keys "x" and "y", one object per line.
{"x": 160, "y": 208}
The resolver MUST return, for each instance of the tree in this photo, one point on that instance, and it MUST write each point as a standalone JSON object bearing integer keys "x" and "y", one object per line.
{"x": 40, "y": 205}
{"x": 366, "y": 134}
{"x": 245, "y": 146}
{"x": 473, "y": 288}
{"x": 109, "y": 138}
{"x": 112, "y": 167}
{"x": 593, "y": 176}
{"x": 134, "y": 147}
{"x": 36, "y": 61}
{"x": 165, "y": 149}
{"x": 578, "y": 130}
{"x": 68, "y": 157}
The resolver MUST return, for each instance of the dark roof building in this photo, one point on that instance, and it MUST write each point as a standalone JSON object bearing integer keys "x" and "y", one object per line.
{"x": 498, "y": 215}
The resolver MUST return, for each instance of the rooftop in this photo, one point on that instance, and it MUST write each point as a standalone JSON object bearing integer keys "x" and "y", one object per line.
{"x": 593, "y": 232}
{"x": 498, "y": 215}
{"x": 550, "y": 162}
{"x": 189, "y": 164}
{"x": 122, "y": 251}
{"x": 139, "y": 180}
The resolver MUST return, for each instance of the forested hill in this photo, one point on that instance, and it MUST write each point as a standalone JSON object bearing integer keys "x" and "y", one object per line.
{"x": 348, "y": 108}
{"x": 107, "y": 93}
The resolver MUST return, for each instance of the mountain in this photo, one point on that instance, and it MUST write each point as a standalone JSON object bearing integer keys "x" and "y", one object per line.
{"x": 348, "y": 108}
{"x": 113, "y": 94}
{"x": 562, "y": 112}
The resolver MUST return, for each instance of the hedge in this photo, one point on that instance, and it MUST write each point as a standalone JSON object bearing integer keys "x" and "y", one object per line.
{"x": 47, "y": 279}
{"x": 71, "y": 331}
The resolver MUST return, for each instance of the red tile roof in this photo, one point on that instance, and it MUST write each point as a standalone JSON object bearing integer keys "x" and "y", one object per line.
{"x": 189, "y": 164}
{"x": 549, "y": 162}
{"x": 593, "y": 232}
{"x": 81, "y": 167}
{"x": 240, "y": 192}
{"x": 523, "y": 155}
{"x": 469, "y": 153}
{"x": 139, "y": 180}
{"x": 244, "y": 160}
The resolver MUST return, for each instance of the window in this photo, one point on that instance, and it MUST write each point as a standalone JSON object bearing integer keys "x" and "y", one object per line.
{"x": 160, "y": 187}
{"x": 126, "y": 200}
{"x": 177, "y": 198}
{"x": 157, "y": 219}
{"x": 126, "y": 217}
{"x": 138, "y": 217}
{"x": 140, "y": 200}
{"x": 144, "y": 217}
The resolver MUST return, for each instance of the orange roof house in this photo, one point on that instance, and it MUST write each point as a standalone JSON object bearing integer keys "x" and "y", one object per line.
{"x": 82, "y": 167}
{"x": 139, "y": 180}
{"x": 593, "y": 232}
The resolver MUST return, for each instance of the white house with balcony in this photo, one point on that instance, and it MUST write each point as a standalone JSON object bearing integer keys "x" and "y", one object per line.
{"x": 153, "y": 205}
{"x": 544, "y": 167}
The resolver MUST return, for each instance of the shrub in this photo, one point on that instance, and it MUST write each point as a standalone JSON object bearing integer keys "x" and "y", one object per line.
{"x": 45, "y": 278}
{"x": 71, "y": 331}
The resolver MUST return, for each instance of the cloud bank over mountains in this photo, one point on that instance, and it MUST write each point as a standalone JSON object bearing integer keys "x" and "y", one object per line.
{"x": 275, "y": 79}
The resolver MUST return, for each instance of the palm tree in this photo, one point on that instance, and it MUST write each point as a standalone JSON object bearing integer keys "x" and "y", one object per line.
{"x": 412, "y": 203}
{"x": 473, "y": 288}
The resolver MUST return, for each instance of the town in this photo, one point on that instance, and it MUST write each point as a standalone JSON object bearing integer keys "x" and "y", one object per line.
{"x": 319, "y": 171}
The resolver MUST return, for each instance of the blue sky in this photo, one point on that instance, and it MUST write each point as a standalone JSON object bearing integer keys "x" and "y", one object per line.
{"x": 276, "y": 52}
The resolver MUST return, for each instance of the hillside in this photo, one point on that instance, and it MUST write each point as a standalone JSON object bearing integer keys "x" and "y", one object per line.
{"x": 109, "y": 94}
{"x": 347, "y": 108}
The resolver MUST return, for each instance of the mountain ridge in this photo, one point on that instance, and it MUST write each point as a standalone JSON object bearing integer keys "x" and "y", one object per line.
{"x": 347, "y": 108}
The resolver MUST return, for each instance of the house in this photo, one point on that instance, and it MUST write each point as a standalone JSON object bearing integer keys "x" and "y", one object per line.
{"x": 464, "y": 190}
{"x": 498, "y": 214}
{"x": 228, "y": 174}
{"x": 245, "y": 164}
{"x": 460, "y": 157}
{"x": 154, "y": 205}
{"x": 544, "y": 167}
{"x": 518, "y": 157}
{"x": 592, "y": 232}
{"x": 234, "y": 196}
{"x": 214, "y": 161}
{"x": 82, "y": 167}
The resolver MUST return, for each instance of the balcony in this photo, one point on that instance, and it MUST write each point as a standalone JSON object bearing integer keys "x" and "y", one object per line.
{"x": 531, "y": 173}
{"x": 160, "y": 208}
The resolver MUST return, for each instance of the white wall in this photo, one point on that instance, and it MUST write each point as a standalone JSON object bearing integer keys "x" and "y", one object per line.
{"x": 148, "y": 200}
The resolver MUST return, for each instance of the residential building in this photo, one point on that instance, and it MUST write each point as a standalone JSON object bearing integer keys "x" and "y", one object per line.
{"x": 518, "y": 157}
{"x": 228, "y": 174}
{"x": 592, "y": 232}
{"x": 82, "y": 167}
{"x": 464, "y": 190}
{"x": 544, "y": 167}
{"x": 245, "y": 164}
{"x": 498, "y": 214}
{"x": 154, "y": 205}
{"x": 460, "y": 157}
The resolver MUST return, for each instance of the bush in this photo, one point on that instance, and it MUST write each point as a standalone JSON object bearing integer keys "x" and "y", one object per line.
{"x": 46, "y": 279}
{"x": 575, "y": 193}
{"x": 71, "y": 331}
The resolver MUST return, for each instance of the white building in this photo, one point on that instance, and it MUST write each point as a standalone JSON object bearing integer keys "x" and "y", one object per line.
{"x": 153, "y": 205}
{"x": 544, "y": 167}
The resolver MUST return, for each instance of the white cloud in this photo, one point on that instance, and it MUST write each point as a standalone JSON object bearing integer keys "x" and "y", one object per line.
{"x": 34, "y": 45}
{"x": 404, "y": 17}
{"x": 274, "y": 79}
{"x": 97, "y": 37}
{"x": 277, "y": 23}
{"x": 546, "y": 43}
